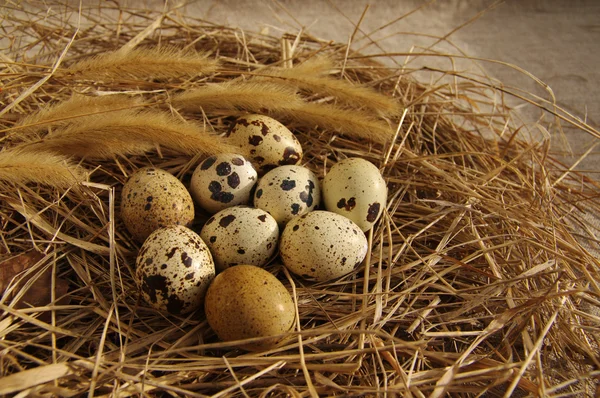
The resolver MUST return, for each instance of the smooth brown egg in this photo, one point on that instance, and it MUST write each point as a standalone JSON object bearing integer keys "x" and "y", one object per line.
{"x": 246, "y": 301}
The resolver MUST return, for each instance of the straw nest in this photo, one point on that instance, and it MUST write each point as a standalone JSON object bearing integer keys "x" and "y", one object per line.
{"x": 478, "y": 281}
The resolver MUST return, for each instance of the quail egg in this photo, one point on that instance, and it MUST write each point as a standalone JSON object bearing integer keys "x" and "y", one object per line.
{"x": 286, "y": 192}
{"x": 270, "y": 143}
{"x": 247, "y": 301}
{"x": 173, "y": 269}
{"x": 153, "y": 198}
{"x": 223, "y": 181}
{"x": 322, "y": 245}
{"x": 241, "y": 235}
{"x": 355, "y": 189}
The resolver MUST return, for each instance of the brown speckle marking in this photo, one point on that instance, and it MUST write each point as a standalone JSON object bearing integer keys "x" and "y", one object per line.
{"x": 208, "y": 162}
{"x": 307, "y": 196}
{"x": 171, "y": 253}
{"x": 237, "y": 161}
{"x": 290, "y": 156}
{"x": 373, "y": 212}
{"x": 255, "y": 140}
{"x": 214, "y": 187}
{"x": 233, "y": 180}
{"x": 186, "y": 260}
{"x": 287, "y": 185}
{"x": 223, "y": 169}
{"x": 348, "y": 205}
{"x": 217, "y": 193}
{"x": 264, "y": 129}
{"x": 225, "y": 221}
{"x": 175, "y": 304}
{"x": 153, "y": 285}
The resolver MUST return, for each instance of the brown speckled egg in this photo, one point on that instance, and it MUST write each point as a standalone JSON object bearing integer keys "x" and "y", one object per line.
{"x": 355, "y": 189}
{"x": 174, "y": 269}
{"x": 241, "y": 235}
{"x": 223, "y": 181}
{"x": 286, "y": 192}
{"x": 153, "y": 198}
{"x": 247, "y": 301}
{"x": 322, "y": 245}
{"x": 269, "y": 143}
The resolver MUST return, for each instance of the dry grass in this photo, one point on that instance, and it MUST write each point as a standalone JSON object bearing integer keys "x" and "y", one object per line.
{"x": 480, "y": 279}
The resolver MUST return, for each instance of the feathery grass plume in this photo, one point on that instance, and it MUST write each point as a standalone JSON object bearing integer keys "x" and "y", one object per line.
{"x": 130, "y": 133}
{"x": 239, "y": 95}
{"x": 148, "y": 63}
{"x": 77, "y": 106}
{"x": 311, "y": 77}
{"x": 20, "y": 165}
{"x": 351, "y": 123}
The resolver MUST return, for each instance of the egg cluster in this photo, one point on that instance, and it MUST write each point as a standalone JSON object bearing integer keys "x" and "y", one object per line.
{"x": 253, "y": 221}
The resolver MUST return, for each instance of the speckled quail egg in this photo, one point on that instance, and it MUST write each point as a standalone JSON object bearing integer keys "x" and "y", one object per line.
{"x": 270, "y": 143}
{"x": 322, "y": 245}
{"x": 153, "y": 198}
{"x": 241, "y": 235}
{"x": 286, "y": 192}
{"x": 247, "y": 301}
{"x": 174, "y": 269}
{"x": 223, "y": 181}
{"x": 354, "y": 188}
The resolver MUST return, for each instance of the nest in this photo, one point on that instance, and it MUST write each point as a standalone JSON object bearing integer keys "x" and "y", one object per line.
{"x": 481, "y": 279}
